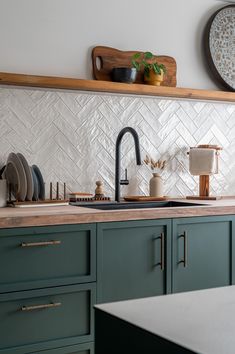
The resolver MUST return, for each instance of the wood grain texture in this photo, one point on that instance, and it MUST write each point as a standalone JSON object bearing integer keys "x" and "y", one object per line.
{"x": 112, "y": 87}
{"x": 204, "y": 186}
{"x": 16, "y": 217}
{"x": 138, "y": 198}
{"x": 113, "y": 58}
{"x": 198, "y": 197}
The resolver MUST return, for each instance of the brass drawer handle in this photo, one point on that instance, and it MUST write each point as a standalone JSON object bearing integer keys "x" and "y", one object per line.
{"x": 162, "y": 261}
{"x": 39, "y": 244}
{"x": 41, "y": 307}
{"x": 185, "y": 259}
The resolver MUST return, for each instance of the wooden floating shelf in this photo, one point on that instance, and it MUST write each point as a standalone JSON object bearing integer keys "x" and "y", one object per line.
{"x": 113, "y": 87}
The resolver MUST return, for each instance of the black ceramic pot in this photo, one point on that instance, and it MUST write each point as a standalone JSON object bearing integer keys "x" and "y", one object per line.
{"x": 127, "y": 75}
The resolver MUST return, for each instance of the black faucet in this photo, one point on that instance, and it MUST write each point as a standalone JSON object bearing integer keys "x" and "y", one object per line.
{"x": 118, "y": 155}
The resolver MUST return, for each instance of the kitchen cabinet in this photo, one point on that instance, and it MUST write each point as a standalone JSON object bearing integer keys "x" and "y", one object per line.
{"x": 131, "y": 259}
{"x": 47, "y": 289}
{"x": 202, "y": 256}
{"x": 197, "y": 254}
{"x": 66, "y": 269}
{"x": 37, "y": 257}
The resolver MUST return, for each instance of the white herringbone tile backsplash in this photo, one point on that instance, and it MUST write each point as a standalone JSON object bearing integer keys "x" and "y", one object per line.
{"x": 71, "y": 137}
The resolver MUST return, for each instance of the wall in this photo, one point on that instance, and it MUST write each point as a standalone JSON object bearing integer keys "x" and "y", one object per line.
{"x": 55, "y": 37}
{"x": 71, "y": 136}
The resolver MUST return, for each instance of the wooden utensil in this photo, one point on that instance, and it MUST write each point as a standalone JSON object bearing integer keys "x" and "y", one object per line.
{"x": 112, "y": 58}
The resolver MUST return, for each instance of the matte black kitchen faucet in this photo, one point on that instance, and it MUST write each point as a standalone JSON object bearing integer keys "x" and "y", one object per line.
{"x": 118, "y": 156}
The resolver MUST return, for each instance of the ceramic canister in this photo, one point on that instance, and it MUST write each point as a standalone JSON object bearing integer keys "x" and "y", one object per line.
{"x": 156, "y": 186}
{"x": 3, "y": 193}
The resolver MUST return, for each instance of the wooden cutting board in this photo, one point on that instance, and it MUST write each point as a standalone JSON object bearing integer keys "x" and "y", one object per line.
{"x": 104, "y": 59}
{"x": 141, "y": 198}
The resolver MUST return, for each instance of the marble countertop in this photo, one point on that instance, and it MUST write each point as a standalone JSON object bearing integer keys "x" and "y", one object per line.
{"x": 22, "y": 217}
{"x": 200, "y": 321}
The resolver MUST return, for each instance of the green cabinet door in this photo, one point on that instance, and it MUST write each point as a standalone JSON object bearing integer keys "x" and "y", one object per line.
{"x": 132, "y": 259}
{"x": 201, "y": 253}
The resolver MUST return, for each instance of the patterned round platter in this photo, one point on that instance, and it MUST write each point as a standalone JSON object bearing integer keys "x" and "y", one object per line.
{"x": 220, "y": 46}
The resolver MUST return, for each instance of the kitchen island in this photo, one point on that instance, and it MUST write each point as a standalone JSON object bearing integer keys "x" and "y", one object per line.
{"x": 201, "y": 322}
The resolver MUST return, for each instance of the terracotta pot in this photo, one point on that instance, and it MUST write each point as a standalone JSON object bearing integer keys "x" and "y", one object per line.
{"x": 153, "y": 78}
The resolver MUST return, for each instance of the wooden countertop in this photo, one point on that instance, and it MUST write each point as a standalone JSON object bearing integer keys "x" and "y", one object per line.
{"x": 41, "y": 216}
{"x": 200, "y": 321}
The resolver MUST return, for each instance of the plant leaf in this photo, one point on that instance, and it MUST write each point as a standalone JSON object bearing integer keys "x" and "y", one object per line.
{"x": 136, "y": 56}
{"x": 136, "y": 65}
{"x": 148, "y": 55}
{"x": 156, "y": 69}
{"x": 162, "y": 66}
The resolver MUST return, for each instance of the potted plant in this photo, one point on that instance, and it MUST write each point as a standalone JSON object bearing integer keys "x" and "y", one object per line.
{"x": 153, "y": 71}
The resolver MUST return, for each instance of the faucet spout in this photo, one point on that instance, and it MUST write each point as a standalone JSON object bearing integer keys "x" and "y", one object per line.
{"x": 118, "y": 156}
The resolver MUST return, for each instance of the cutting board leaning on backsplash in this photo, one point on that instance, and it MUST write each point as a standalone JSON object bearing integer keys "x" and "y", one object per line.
{"x": 110, "y": 58}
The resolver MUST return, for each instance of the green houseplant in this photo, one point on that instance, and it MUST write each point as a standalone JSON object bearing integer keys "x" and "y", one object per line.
{"x": 153, "y": 71}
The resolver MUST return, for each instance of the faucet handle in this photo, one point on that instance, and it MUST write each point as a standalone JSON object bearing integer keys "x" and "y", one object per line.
{"x": 125, "y": 181}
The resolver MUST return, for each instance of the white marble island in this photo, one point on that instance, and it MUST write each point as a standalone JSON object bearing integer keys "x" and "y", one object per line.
{"x": 193, "y": 322}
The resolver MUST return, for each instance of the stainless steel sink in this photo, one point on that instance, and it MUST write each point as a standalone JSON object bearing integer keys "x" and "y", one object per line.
{"x": 135, "y": 205}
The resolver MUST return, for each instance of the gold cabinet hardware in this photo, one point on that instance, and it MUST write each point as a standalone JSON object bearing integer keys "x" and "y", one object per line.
{"x": 39, "y": 244}
{"x": 162, "y": 261}
{"x": 41, "y": 307}
{"x": 185, "y": 258}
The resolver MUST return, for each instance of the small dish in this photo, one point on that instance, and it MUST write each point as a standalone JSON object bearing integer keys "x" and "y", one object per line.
{"x": 41, "y": 192}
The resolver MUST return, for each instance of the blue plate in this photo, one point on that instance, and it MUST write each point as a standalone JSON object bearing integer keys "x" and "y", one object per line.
{"x": 36, "y": 185}
{"x": 41, "y": 184}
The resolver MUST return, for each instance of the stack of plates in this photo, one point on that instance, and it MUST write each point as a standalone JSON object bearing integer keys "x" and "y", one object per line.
{"x": 26, "y": 182}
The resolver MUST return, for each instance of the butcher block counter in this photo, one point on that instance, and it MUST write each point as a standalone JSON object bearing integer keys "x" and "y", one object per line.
{"x": 41, "y": 216}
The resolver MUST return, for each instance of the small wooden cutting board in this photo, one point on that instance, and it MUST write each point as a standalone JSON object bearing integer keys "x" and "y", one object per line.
{"x": 142, "y": 198}
{"x": 110, "y": 58}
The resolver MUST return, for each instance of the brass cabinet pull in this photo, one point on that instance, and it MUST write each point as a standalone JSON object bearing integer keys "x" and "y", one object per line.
{"x": 41, "y": 307}
{"x": 185, "y": 259}
{"x": 39, "y": 244}
{"x": 162, "y": 261}
{"x": 162, "y": 251}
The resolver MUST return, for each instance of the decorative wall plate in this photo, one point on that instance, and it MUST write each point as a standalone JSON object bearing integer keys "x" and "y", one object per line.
{"x": 220, "y": 46}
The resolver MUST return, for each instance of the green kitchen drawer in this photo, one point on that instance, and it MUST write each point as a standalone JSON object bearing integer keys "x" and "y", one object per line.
{"x": 86, "y": 348}
{"x": 38, "y": 257}
{"x": 45, "y": 319}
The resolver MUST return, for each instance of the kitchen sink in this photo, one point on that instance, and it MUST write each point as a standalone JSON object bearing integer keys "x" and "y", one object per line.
{"x": 135, "y": 205}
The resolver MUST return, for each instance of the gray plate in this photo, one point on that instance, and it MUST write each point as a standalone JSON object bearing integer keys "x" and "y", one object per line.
{"x": 16, "y": 177}
{"x": 29, "y": 177}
